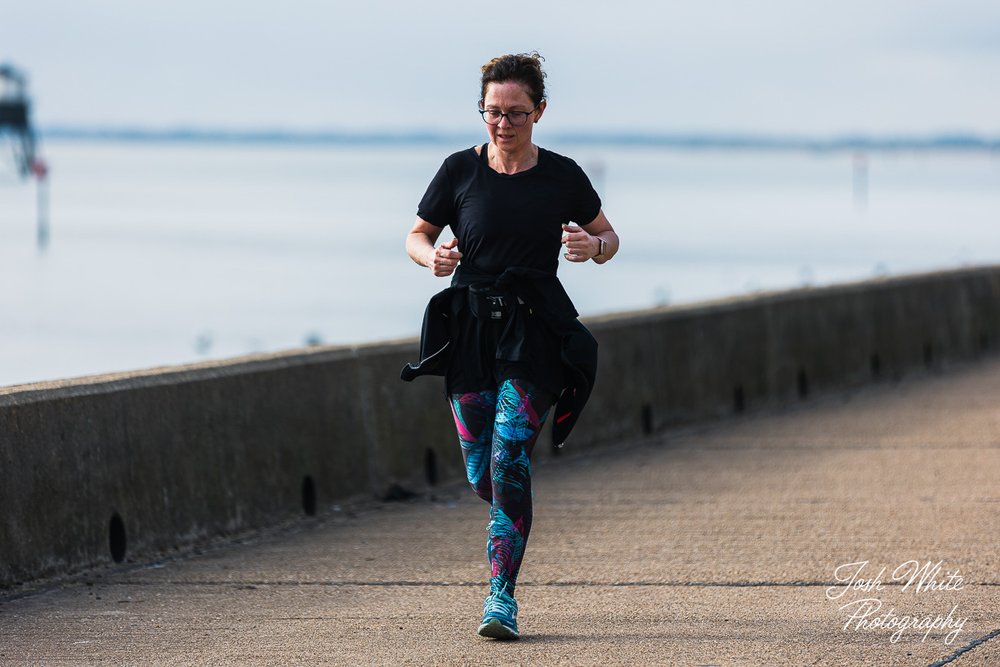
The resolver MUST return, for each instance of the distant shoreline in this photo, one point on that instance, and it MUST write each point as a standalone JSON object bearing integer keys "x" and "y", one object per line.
{"x": 689, "y": 141}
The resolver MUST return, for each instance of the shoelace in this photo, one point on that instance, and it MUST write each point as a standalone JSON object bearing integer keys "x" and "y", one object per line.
{"x": 501, "y": 601}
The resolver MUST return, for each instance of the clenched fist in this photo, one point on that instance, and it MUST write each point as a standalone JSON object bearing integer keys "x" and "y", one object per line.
{"x": 580, "y": 246}
{"x": 445, "y": 259}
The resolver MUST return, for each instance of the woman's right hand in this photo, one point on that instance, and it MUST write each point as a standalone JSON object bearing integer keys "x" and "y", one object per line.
{"x": 444, "y": 259}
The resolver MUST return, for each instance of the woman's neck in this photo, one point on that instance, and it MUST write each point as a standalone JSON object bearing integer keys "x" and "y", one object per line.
{"x": 511, "y": 163}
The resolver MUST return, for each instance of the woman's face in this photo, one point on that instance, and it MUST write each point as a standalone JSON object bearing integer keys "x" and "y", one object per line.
{"x": 511, "y": 96}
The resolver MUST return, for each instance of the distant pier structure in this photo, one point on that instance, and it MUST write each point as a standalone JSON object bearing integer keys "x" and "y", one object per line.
{"x": 15, "y": 108}
{"x": 16, "y": 129}
{"x": 860, "y": 181}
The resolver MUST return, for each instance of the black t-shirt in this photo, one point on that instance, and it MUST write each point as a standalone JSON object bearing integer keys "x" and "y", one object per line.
{"x": 505, "y": 220}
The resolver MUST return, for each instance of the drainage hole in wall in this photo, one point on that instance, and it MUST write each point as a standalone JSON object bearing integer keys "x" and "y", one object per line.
{"x": 738, "y": 402}
{"x": 116, "y": 538}
{"x": 309, "y": 495}
{"x": 647, "y": 419}
{"x": 928, "y": 355}
{"x": 803, "y": 383}
{"x": 876, "y": 366}
{"x": 430, "y": 467}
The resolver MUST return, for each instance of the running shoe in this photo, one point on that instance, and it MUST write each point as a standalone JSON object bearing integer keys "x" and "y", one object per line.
{"x": 499, "y": 616}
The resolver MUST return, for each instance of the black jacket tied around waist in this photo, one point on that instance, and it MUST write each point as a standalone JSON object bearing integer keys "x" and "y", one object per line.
{"x": 514, "y": 302}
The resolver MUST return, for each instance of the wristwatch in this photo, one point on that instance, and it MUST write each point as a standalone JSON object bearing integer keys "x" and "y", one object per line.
{"x": 603, "y": 245}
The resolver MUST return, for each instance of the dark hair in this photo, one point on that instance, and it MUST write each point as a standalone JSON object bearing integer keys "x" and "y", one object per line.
{"x": 524, "y": 68}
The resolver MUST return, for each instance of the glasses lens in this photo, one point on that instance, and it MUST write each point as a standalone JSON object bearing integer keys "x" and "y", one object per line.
{"x": 517, "y": 118}
{"x": 491, "y": 116}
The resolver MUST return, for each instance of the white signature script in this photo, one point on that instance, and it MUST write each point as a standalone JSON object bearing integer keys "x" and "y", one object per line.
{"x": 917, "y": 578}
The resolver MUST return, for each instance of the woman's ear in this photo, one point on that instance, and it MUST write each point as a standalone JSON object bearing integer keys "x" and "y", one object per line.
{"x": 540, "y": 110}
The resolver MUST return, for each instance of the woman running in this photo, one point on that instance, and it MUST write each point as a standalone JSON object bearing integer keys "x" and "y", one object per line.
{"x": 505, "y": 334}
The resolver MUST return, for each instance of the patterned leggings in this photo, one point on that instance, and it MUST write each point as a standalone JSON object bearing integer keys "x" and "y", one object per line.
{"x": 497, "y": 431}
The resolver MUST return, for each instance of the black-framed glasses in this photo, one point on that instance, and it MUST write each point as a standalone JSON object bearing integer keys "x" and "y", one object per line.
{"x": 515, "y": 118}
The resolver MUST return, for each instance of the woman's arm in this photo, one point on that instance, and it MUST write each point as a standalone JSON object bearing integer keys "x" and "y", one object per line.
{"x": 584, "y": 242}
{"x": 420, "y": 247}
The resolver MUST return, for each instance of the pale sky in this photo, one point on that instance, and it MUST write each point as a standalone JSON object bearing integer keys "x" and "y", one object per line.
{"x": 780, "y": 67}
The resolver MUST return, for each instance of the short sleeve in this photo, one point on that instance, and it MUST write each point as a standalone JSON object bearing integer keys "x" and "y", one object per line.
{"x": 438, "y": 203}
{"x": 586, "y": 202}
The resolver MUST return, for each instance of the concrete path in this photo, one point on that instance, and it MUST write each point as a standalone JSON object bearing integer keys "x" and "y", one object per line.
{"x": 710, "y": 547}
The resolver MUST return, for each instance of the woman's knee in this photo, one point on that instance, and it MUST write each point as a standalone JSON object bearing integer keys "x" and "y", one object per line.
{"x": 511, "y": 473}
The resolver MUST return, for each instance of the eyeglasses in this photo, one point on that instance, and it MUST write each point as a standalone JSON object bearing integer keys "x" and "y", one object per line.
{"x": 515, "y": 118}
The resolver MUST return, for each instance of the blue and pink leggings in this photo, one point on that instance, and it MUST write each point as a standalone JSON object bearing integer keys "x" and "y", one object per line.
{"x": 497, "y": 431}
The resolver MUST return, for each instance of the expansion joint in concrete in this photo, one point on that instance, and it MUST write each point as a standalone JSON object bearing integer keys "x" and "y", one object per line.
{"x": 965, "y": 649}
{"x": 523, "y": 584}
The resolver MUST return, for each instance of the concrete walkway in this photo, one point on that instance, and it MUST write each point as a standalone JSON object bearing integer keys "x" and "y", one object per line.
{"x": 710, "y": 547}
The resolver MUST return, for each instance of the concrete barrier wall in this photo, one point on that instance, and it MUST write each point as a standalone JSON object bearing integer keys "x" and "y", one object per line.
{"x": 136, "y": 465}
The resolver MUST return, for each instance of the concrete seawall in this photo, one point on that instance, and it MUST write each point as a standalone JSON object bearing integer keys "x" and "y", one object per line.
{"x": 131, "y": 466}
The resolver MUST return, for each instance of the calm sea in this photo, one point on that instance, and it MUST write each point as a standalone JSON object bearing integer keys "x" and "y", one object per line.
{"x": 164, "y": 253}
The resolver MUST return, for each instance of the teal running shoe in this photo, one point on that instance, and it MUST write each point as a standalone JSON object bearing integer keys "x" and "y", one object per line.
{"x": 499, "y": 616}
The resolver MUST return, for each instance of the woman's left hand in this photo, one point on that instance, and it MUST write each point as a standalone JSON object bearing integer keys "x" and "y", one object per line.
{"x": 580, "y": 246}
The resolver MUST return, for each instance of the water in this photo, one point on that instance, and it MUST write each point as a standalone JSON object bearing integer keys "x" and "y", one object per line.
{"x": 171, "y": 253}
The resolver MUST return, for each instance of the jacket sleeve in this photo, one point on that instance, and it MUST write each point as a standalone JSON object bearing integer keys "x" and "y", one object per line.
{"x": 435, "y": 339}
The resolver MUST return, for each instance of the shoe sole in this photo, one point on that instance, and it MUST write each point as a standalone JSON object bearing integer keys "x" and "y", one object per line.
{"x": 494, "y": 629}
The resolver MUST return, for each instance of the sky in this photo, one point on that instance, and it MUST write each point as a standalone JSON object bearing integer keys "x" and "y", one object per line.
{"x": 784, "y": 67}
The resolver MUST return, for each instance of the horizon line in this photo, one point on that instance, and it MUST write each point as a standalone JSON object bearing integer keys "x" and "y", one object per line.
{"x": 696, "y": 140}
